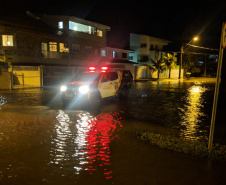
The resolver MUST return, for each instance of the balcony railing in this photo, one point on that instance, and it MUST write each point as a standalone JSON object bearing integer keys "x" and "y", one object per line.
{"x": 55, "y": 55}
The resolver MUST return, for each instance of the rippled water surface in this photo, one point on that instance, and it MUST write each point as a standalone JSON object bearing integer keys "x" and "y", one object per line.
{"x": 42, "y": 143}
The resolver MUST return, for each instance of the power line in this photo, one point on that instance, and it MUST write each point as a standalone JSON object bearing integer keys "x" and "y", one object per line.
{"x": 199, "y": 53}
{"x": 203, "y": 47}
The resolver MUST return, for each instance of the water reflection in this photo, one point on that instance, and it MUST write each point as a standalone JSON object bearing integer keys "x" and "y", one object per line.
{"x": 192, "y": 113}
{"x": 102, "y": 131}
{"x": 3, "y": 100}
{"x": 81, "y": 143}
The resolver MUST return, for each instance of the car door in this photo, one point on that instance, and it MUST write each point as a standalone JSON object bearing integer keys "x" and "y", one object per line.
{"x": 109, "y": 84}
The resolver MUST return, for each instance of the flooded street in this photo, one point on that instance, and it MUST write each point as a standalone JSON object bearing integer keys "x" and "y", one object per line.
{"x": 43, "y": 143}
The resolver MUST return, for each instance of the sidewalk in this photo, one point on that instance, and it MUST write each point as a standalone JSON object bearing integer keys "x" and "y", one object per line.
{"x": 136, "y": 162}
{"x": 192, "y": 79}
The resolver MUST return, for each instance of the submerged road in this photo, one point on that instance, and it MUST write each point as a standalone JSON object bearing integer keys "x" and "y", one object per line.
{"x": 43, "y": 143}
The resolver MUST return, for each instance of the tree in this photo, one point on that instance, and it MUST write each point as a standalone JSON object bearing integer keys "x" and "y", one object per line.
{"x": 158, "y": 64}
{"x": 170, "y": 61}
{"x": 190, "y": 64}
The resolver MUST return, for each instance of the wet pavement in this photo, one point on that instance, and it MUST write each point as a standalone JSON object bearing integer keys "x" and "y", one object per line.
{"x": 43, "y": 143}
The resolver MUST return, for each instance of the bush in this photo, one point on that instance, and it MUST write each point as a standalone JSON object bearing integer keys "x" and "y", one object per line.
{"x": 199, "y": 149}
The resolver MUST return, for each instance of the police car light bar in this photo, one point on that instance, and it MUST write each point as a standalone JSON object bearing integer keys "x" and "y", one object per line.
{"x": 104, "y": 68}
{"x": 92, "y": 68}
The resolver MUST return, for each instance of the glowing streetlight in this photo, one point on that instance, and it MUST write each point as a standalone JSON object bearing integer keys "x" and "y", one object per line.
{"x": 181, "y": 53}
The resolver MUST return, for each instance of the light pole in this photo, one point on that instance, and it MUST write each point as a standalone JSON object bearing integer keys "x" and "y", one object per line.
{"x": 181, "y": 54}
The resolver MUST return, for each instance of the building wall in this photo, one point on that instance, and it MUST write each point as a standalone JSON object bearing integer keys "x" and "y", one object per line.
{"x": 27, "y": 76}
{"x": 109, "y": 53}
{"x": 5, "y": 80}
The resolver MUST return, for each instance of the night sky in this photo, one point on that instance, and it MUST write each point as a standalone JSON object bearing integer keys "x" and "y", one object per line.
{"x": 171, "y": 20}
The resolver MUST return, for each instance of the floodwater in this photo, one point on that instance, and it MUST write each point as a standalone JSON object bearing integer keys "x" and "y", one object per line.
{"x": 43, "y": 143}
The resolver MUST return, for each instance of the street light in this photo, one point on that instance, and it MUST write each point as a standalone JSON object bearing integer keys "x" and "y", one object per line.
{"x": 181, "y": 54}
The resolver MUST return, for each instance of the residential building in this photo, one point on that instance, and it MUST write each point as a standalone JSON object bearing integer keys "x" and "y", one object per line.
{"x": 57, "y": 43}
{"x": 118, "y": 58}
{"x": 146, "y": 48}
{"x": 51, "y": 40}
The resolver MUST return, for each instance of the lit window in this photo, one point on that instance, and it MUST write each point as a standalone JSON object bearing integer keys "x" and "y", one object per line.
{"x": 88, "y": 49}
{"x": 81, "y": 27}
{"x": 114, "y": 54}
{"x": 99, "y": 33}
{"x": 7, "y": 40}
{"x": 63, "y": 48}
{"x": 52, "y": 46}
{"x": 103, "y": 53}
{"x": 75, "y": 48}
{"x": 60, "y": 25}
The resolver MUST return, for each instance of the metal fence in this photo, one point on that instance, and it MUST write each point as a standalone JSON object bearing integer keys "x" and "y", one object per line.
{"x": 26, "y": 77}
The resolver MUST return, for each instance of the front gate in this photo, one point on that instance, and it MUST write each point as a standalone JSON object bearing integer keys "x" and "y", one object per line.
{"x": 26, "y": 77}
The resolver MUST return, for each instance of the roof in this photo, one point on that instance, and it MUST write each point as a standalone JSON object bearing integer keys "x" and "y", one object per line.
{"x": 27, "y": 20}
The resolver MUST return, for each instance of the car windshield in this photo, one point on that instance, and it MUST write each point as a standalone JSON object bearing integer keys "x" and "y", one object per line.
{"x": 88, "y": 77}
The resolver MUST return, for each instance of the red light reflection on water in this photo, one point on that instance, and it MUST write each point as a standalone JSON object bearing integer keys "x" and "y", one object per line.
{"x": 102, "y": 130}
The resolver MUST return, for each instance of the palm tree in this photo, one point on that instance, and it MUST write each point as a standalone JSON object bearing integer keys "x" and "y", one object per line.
{"x": 170, "y": 61}
{"x": 158, "y": 65}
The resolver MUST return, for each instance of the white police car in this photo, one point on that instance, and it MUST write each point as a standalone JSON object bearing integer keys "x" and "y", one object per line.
{"x": 97, "y": 83}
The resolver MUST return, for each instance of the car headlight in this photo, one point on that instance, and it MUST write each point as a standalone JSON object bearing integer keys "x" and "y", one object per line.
{"x": 63, "y": 88}
{"x": 84, "y": 89}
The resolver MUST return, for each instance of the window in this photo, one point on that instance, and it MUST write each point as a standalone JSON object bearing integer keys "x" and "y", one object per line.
{"x": 124, "y": 55}
{"x": 110, "y": 76}
{"x": 114, "y": 54}
{"x": 7, "y": 40}
{"x": 103, "y": 53}
{"x": 81, "y": 27}
{"x": 130, "y": 57}
{"x": 143, "y": 58}
{"x": 96, "y": 52}
{"x": 52, "y": 46}
{"x": 44, "y": 49}
{"x": 143, "y": 45}
{"x": 151, "y": 47}
{"x": 44, "y": 46}
{"x": 99, "y": 33}
{"x": 127, "y": 74}
{"x": 88, "y": 49}
{"x": 156, "y": 47}
{"x": 75, "y": 48}
{"x": 63, "y": 48}
{"x": 60, "y": 25}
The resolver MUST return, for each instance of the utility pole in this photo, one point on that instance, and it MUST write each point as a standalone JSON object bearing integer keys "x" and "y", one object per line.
{"x": 216, "y": 92}
{"x": 181, "y": 56}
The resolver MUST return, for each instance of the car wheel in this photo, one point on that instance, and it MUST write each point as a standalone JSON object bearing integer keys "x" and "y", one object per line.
{"x": 124, "y": 93}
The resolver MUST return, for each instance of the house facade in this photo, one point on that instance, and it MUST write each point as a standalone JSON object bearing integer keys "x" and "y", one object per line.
{"x": 118, "y": 58}
{"x": 51, "y": 40}
{"x": 54, "y": 42}
{"x": 146, "y": 48}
